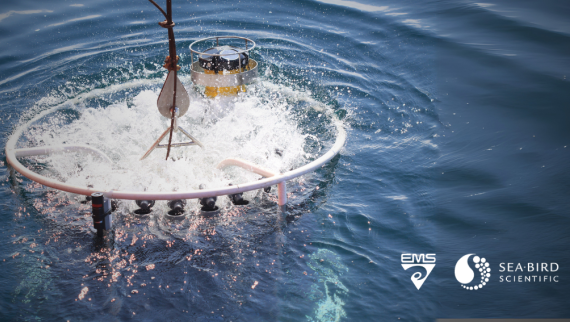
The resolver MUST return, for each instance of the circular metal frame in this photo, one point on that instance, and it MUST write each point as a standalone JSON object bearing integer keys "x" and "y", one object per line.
{"x": 12, "y": 153}
{"x": 247, "y": 40}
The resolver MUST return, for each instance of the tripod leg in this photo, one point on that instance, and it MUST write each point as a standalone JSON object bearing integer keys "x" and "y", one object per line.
{"x": 155, "y": 144}
{"x": 191, "y": 137}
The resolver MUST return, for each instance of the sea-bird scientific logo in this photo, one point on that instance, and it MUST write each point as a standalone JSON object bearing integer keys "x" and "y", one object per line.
{"x": 427, "y": 261}
{"x": 465, "y": 274}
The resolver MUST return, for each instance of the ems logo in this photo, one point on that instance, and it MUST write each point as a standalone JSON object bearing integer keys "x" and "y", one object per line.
{"x": 427, "y": 261}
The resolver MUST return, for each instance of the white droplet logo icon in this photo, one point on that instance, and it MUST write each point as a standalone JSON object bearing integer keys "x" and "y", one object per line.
{"x": 464, "y": 274}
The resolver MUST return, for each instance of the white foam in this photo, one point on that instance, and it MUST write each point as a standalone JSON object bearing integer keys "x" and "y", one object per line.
{"x": 251, "y": 126}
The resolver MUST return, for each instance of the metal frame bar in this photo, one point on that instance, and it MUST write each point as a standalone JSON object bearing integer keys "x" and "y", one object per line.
{"x": 157, "y": 144}
{"x": 29, "y": 152}
{"x": 252, "y": 167}
{"x": 247, "y": 40}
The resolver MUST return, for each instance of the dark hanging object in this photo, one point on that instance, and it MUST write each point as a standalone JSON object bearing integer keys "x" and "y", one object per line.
{"x": 101, "y": 213}
{"x": 237, "y": 199}
{"x": 208, "y": 204}
{"x": 177, "y": 207}
{"x": 144, "y": 207}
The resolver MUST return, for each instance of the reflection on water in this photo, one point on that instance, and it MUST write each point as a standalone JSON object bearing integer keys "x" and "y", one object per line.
{"x": 357, "y": 5}
{"x": 146, "y": 260}
{"x": 74, "y": 20}
{"x": 329, "y": 291}
{"x": 21, "y": 12}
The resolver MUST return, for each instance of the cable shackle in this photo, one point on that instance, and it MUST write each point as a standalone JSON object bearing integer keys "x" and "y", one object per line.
{"x": 171, "y": 65}
{"x": 165, "y": 24}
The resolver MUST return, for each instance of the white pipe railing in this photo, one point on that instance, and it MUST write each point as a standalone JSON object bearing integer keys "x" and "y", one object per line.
{"x": 43, "y": 150}
{"x": 281, "y": 187}
{"x": 272, "y": 178}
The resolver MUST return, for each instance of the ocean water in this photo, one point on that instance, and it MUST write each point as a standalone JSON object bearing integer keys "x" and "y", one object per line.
{"x": 458, "y": 143}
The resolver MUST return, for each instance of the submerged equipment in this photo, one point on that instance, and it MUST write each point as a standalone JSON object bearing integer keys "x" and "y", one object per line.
{"x": 177, "y": 207}
{"x": 237, "y": 199}
{"x": 209, "y": 203}
{"x": 101, "y": 213}
{"x": 173, "y": 101}
{"x": 144, "y": 206}
{"x": 223, "y": 69}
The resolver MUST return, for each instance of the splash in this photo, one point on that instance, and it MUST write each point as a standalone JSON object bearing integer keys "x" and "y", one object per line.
{"x": 263, "y": 126}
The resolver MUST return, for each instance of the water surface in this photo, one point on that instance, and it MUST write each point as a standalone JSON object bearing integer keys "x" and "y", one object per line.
{"x": 457, "y": 144}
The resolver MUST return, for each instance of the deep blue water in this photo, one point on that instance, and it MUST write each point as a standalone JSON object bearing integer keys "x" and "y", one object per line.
{"x": 458, "y": 143}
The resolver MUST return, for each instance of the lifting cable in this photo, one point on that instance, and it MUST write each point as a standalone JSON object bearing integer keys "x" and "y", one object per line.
{"x": 169, "y": 63}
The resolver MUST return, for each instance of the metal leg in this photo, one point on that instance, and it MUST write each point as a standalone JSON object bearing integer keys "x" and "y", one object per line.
{"x": 281, "y": 194}
{"x": 191, "y": 137}
{"x": 155, "y": 144}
